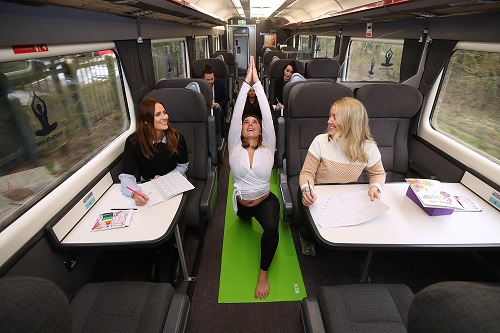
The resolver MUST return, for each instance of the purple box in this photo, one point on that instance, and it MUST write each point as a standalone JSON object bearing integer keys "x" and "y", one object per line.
{"x": 430, "y": 211}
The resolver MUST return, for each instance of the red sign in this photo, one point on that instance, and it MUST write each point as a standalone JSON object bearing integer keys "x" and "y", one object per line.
{"x": 18, "y": 49}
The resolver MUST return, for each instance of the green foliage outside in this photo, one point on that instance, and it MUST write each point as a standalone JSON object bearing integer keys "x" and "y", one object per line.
{"x": 467, "y": 109}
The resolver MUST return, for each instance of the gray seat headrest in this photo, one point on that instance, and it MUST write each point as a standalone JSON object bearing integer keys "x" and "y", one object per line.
{"x": 194, "y": 86}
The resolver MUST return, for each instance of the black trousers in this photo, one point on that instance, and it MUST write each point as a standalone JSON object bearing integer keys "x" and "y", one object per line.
{"x": 267, "y": 213}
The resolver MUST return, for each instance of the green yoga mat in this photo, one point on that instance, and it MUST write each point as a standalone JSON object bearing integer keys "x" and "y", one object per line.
{"x": 241, "y": 259}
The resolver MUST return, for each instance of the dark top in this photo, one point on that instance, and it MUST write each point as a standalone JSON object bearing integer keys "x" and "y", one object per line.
{"x": 278, "y": 91}
{"x": 162, "y": 162}
{"x": 220, "y": 95}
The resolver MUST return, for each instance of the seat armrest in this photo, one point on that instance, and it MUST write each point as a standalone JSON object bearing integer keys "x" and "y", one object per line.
{"x": 311, "y": 316}
{"x": 286, "y": 198}
{"x": 280, "y": 137}
{"x": 209, "y": 195}
{"x": 212, "y": 139}
{"x": 177, "y": 314}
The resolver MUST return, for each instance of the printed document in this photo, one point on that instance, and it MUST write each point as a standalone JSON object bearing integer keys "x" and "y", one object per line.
{"x": 345, "y": 209}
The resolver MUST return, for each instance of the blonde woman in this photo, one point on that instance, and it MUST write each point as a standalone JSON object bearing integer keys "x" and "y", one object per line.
{"x": 339, "y": 156}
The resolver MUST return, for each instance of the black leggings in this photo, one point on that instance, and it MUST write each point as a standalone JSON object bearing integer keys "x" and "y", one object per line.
{"x": 267, "y": 213}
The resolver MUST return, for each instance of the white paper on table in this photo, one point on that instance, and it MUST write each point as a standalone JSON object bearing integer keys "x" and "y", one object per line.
{"x": 345, "y": 209}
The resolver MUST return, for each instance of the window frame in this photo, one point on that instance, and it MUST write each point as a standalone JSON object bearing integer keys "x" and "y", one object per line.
{"x": 185, "y": 53}
{"x": 456, "y": 150}
{"x": 50, "y": 201}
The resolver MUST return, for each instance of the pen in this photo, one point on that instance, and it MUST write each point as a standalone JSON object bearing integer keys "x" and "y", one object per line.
{"x": 123, "y": 209}
{"x": 310, "y": 189}
{"x": 278, "y": 101}
{"x": 137, "y": 193}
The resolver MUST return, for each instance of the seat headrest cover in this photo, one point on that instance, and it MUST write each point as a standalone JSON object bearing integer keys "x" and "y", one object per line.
{"x": 194, "y": 86}
{"x": 182, "y": 105}
{"x": 297, "y": 77}
{"x": 393, "y": 100}
{"x": 220, "y": 56}
{"x": 204, "y": 86}
{"x": 275, "y": 58}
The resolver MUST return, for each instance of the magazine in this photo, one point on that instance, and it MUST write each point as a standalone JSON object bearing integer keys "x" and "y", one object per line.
{"x": 433, "y": 194}
{"x": 113, "y": 220}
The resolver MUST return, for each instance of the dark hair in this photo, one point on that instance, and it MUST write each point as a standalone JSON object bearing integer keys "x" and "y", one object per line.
{"x": 291, "y": 63}
{"x": 146, "y": 133}
{"x": 252, "y": 110}
{"x": 209, "y": 69}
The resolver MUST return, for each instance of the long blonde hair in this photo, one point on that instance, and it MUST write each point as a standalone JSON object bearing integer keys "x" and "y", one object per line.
{"x": 352, "y": 118}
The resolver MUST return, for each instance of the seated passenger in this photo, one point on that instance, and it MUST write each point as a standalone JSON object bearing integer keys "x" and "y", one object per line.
{"x": 288, "y": 70}
{"x": 155, "y": 149}
{"x": 219, "y": 92}
{"x": 251, "y": 145}
{"x": 339, "y": 156}
{"x": 252, "y": 104}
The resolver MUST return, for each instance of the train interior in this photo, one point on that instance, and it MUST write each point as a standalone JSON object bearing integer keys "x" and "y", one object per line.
{"x": 72, "y": 73}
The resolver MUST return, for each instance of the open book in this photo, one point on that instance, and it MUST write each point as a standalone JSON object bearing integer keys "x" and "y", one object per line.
{"x": 165, "y": 187}
{"x": 433, "y": 194}
{"x": 113, "y": 220}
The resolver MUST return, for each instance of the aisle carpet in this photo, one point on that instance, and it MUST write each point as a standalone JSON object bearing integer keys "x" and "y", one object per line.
{"x": 241, "y": 258}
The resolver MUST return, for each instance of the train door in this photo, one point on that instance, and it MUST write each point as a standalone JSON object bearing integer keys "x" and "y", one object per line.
{"x": 242, "y": 43}
{"x": 241, "y": 49}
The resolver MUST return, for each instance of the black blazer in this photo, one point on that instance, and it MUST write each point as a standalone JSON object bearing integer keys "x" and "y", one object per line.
{"x": 220, "y": 95}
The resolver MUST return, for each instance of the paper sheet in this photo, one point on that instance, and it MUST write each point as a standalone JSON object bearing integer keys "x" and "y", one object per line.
{"x": 345, "y": 209}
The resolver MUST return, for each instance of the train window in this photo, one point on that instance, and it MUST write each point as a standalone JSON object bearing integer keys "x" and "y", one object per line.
{"x": 304, "y": 43}
{"x": 201, "y": 48}
{"x": 373, "y": 60}
{"x": 169, "y": 59}
{"x": 325, "y": 47}
{"x": 55, "y": 114}
{"x": 467, "y": 105}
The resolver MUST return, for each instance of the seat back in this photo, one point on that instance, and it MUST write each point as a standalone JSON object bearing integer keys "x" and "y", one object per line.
{"x": 188, "y": 113}
{"x": 456, "y": 306}
{"x": 390, "y": 108}
{"x": 229, "y": 59}
{"x": 31, "y": 304}
{"x": 322, "y": 68}
{"x": 267, "y": 58}
{"x": 308, "y": 108}
{"x": 299, "y": 55}
{"x": 206, "y": 91}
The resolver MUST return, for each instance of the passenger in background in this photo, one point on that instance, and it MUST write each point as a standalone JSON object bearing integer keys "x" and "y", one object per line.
{"x": 219, "y": 92}
{"x": 252, "y": 104}
{"x": 251, "y": 145}
{"x": 155, "y": 149}
{"x": 288, "y": 70}
{"x": 339, "y": 156}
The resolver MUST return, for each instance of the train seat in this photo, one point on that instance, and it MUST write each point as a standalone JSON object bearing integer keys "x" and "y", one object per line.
{"x": 32, "y": 304}
{"x": 206, "y": 91}
{"x": 390, "y": 108}
{"x": 442, "y": 307}
{"x": 232, "y": 65}
{"x": 299, "y": 55}
{"x": 308, "y": 107}
{"x": 267, "y": 58}
{"x": 322, "y": 68}
{"x": 184, "y": 108}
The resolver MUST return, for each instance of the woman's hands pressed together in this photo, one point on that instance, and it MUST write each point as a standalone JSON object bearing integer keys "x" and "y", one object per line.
{"x": 252, "y": 77}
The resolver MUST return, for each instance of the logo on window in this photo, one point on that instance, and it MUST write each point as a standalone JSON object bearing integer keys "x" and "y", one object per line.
{"x": 39, "y": 108}
{"x": 388, "y": 56}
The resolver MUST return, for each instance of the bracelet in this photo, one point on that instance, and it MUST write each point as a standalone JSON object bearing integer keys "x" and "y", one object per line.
{"x": 247, "y": 83}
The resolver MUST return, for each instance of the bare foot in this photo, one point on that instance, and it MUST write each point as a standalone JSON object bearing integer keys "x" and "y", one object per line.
{"x": 262, "y": 289}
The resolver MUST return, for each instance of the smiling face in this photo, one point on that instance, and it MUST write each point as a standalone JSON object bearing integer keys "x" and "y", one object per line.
{"x": 250, "y": 128}
{"x": 288, "y": 72}
{"x": 333, "y": 126}
{"x": 160, "y": 119}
